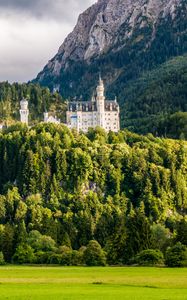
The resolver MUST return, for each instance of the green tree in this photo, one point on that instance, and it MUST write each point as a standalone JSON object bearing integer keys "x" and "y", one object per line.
{"x": 41, "y": 242}
{"x": 8, "y": 242}
{"x": 149, "y": 257}
{"x": 2, "y": 260}
{"x": 176, "y": 256}
{"x": 161, "y": 236}
{"x": 24, "y": 254}
{"x": 138, "y": 234}
{"x": 94, "y": 255}
{"x": 182, "y": 232}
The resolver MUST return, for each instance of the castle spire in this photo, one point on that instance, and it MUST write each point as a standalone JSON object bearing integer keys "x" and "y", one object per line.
{"x": 100, "y": 80}
{"x": 24, "y": 111}
{"x": 100, "y": 89}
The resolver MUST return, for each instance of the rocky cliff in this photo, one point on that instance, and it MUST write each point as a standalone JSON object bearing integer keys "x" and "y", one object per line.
{"x": 121, "y": 39}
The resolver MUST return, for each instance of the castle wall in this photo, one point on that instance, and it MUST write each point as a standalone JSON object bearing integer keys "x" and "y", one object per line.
{"x": 85, "y": 115}
{"x": 82, "y": 121}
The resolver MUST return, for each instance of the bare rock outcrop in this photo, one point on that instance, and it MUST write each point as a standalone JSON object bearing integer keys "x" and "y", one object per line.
{"x": 109, "y": 24}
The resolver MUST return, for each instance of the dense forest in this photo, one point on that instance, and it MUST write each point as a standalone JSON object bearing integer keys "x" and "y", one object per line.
{"x": 40, "y": 100}
{"x": 152, "y": 99}
{"x": 72, "y": 198}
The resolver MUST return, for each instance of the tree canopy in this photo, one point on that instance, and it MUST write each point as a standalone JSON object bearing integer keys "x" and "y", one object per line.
{"x": 61, "y": 188}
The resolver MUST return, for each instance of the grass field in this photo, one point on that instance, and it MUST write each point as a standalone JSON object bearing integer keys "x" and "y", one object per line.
{"x": 66, "y": 283}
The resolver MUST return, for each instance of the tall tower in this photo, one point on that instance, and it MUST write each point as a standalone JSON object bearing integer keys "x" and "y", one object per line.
{"x": 46, "y": 116}
{"x": 24, "y": 112}
{"x": 100, "y": 100}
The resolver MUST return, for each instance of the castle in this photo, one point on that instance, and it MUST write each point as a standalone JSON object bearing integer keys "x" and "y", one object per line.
{"x": 24, "y": 111}
{"x": 50, "y": 119}
{"x": 82, "y": 115}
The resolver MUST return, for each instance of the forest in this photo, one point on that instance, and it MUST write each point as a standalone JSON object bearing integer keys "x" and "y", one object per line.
{"x": 40, "y": 100}
{"x": 154, "y": 103}
{"x": 72, "y": 198}
{"x": 156, "y": 99}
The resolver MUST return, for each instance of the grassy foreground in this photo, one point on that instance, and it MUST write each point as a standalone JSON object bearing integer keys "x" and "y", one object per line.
{"x": 65, "y": 283}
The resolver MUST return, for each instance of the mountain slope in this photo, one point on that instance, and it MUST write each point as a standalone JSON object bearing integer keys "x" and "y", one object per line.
{"x": 121, "y": 39}
{"x": 40, "y": 100}
{"x": 154, "y": 96}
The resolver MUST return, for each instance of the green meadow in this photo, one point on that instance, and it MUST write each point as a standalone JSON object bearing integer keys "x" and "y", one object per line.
{"x": 110, "y": 283}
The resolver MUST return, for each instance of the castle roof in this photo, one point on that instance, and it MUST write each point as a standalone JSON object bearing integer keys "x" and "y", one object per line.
{"x": 89, "y": 106}
{"x": 24, "y": 101}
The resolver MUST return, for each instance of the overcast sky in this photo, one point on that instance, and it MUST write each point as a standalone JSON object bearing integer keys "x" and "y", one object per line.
{"x": 31, "y": 31}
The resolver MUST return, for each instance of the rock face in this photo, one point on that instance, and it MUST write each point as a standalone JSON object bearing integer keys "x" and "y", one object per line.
{"x": 109, "y": 28}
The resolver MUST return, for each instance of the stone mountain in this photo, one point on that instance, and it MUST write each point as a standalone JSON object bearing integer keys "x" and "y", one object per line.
{"x": 121, "y": 39}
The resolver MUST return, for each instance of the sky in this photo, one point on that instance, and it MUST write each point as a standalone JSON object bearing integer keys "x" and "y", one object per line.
{"x": 31, "y": 31}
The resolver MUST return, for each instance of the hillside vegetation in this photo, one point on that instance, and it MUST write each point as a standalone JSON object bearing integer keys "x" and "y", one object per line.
{"x": 63, "y": 189}
{"x": 155, "y": 103}
{"x": 152, "y": 99}
{"x": 40, "y": 100}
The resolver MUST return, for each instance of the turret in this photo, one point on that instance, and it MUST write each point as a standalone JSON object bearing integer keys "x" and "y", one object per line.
{"x": 46, "y": 116}
{"x": 24, "y": 112}
{"x": 100, "y": 96}
{"x": 100, "y": 100}
{"x": 100, "y": 90}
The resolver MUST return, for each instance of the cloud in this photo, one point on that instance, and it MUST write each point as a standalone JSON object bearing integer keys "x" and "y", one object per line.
{"x": 31, "y": 33}
{"x": 57, "y": 9}
{"x": 26, "y": 49}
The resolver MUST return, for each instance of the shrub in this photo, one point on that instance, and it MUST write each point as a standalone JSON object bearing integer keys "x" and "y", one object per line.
{"x": 182, "y": 232}
{"x": 149, "y": 257}
{"x": 46, "y": 243}
{"x": 176, "y": 256}
{"x": 63, "y": 249}
{"x": 55, "y": 259}
{"x": 40, "y": 242}
{"x": 77, "y": 258}
{"x": 42, "y": 257}
{"x": 94, "y": 255}
{"x": 66, "y": 258}
{"x": 161, "y": 237}
{"x": 24, "y": 254}
{"x": 2, "y": 260}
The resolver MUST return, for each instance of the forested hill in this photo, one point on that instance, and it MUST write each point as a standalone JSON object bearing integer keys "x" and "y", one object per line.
{"x": 40, "y": 99}
{"x": 157, "y": 101}
{"x": 75, "y": 188}
{"x": 154, "y": 103}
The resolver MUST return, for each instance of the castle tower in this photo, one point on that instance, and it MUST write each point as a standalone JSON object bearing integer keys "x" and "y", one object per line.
{"x": 24, "y": 112}
{"x": 46, "y": 116}
{"x": 100, "y": 99}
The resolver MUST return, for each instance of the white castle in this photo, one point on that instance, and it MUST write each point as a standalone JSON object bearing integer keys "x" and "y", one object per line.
{"x": 24, "y": 112}
{"x": 82, "y": 115}
{"x": 50, "y": 119}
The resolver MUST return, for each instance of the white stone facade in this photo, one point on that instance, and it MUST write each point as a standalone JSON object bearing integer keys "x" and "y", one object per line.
{"x": 24, "y": 111}
{"x": 50, "y": 119}
{"x": 97, "y": 112}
